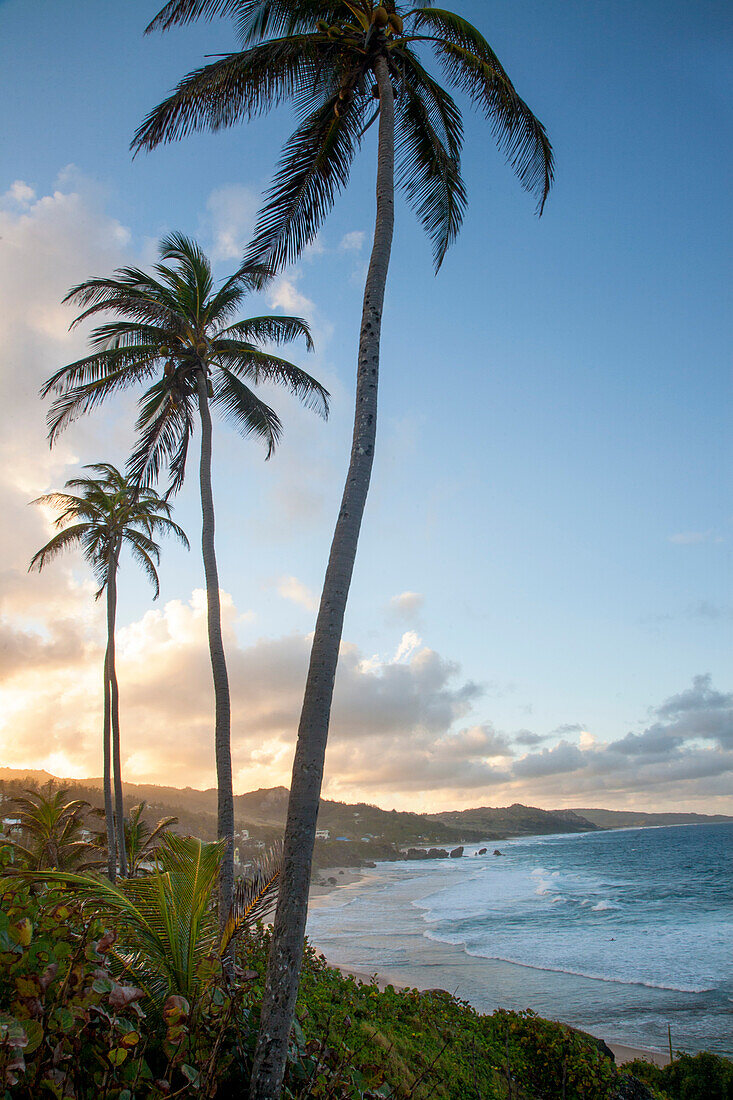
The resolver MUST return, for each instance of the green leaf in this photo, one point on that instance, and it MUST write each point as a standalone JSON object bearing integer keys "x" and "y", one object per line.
{"x": 191, "y": 1075}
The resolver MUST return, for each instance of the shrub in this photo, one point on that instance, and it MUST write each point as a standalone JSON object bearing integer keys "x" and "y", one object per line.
{"x": 703, "y": 1076}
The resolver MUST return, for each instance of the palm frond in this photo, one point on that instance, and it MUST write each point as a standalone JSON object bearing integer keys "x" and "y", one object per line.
{"x": 180, "y": 12}
{"x": 165, "y": 424}
{"x": 471, "y": 65}
{"x": 69, "y": 539}
{"x": 255, "y": 896}
{"x": 313, "y": 169}
{"x": 272, "y": 330}
{"x": 245, "y": 411}
{"x": 428, "y": 163}
{"x": 78, "y": 400}
{"x": 233, "y": 89}
{"x": 259, "y": 366}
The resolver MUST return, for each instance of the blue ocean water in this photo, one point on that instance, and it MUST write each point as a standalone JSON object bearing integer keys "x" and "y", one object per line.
{"x": 622, "y": 932}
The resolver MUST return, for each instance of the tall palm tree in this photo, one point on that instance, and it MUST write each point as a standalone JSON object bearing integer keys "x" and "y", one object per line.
{"x": 108, "y": 513}
{"x": 175, "y": 329}
{"x": 344, "y": 64}
{"x": 53, "y": 831}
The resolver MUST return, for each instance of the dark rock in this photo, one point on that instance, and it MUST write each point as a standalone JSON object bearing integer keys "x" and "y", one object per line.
{"x": 457, "y": 853}
{"x": 342, "y": 872}
{"x": 482, "y": 851}
{"x": 630, "y": 1088}
{"x": 332, "y": 881}
{"x": 437, "y": 853}
{"x": 497, "y": 852}
{"x": 416, "y": 853}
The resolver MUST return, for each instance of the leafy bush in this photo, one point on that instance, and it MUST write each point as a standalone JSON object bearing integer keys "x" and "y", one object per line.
{"x": 551, "y": 1060}
{"x": 70, "y": 1025}
{"x": 75, "y": 1022}
{"x": 703, "y": 1076}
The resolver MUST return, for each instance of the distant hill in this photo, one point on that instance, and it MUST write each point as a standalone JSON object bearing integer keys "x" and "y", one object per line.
{"x": 377, "y": 833}
{"x": 623, "y": 819}
{"x": 499, "y": 823}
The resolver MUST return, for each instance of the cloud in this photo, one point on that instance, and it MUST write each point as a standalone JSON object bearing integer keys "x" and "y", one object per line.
{"x": 407, "y": 606}
{"x": 20, "y": 193}
{"x": 290, "y": 588}
{"x": 690, "y": 538}
{"x": 52, "y": 705}
{"x": 685, "y": 753}
{"x": 230, "y": 219}
{"x": 526, "y": 737}
{"x": 561, "y": 759}
{"x": 47, "y": 244}
{"x": 352, "y": 242}
{"x": 409, "y": 642}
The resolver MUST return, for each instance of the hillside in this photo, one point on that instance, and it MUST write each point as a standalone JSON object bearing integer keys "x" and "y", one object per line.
{"x": 499, "y": 823}
{"x": 372, "y": 831}
{"x": 624, "y": 819}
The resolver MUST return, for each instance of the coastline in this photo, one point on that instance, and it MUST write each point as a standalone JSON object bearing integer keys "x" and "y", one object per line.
{"x": 329, "y": 879}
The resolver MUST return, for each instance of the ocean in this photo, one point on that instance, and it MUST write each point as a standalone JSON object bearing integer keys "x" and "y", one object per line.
{"x": 622, "y": 932}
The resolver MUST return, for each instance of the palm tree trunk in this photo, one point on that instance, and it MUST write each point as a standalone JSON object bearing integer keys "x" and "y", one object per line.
{"x": 222, "y": 742}
{"x": 107, "y": 750}
{"x": 115, "y": 710}
{"x": 283, "y": 973}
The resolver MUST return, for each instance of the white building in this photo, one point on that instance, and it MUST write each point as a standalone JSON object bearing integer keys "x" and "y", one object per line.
{"x": 323, "y": 834}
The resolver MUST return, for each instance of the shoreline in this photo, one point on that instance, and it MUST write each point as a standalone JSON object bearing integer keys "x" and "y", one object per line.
{"x": 622, "y": 1052}
{"x": 329, "y": 879}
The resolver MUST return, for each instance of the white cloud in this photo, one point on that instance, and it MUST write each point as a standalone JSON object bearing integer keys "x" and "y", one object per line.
{"x": 352, "y": 242}
{"x": 690, "y": 538}
{"x": 20, "y": 193}
{"x": 406, "y": 606}
{"x": 409, "y": 642}
{"x": 290, "y": 588}
{"x": 231, "y": 213}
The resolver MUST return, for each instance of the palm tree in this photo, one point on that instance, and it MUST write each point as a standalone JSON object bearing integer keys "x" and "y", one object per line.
{"x": 174, "y": 329}
{"x": 165, "y": 921}
{"x": 53, "y": 831}
{"x": 333, "y": 59}
{"x": 108, "y": 513}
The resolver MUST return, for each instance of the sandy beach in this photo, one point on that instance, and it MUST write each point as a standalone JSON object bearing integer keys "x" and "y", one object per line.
{"x": 329, "y": 879}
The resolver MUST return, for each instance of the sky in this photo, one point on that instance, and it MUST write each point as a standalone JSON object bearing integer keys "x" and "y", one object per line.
{"x": 542, "y": 608}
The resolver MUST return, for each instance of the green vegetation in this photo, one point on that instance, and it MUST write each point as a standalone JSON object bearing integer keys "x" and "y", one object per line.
{"x": 701, "y": 1076}
{"x": 119, "y": 992}
{"x": 54, "y": 831}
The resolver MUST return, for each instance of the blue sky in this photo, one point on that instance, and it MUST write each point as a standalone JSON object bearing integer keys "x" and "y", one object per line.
{"x": 553, "y": 470}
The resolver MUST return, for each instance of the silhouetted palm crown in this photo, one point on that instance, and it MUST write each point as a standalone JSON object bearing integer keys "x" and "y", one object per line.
{"x": 108, "y": 512}
{"x": 54, "y": 828}
{"x": 172, "y": 326}
{"x": 321, "y": 57}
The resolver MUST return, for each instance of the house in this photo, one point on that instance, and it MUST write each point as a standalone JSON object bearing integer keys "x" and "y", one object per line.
{"x": 323, "y": 834}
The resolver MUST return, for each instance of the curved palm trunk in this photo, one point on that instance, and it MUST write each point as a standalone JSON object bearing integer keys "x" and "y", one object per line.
{"x": 286, "y": 953}
{"x": 115, "y": 711}
{"x": 225, "y": 814}
{"x": 107, "y": 750}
